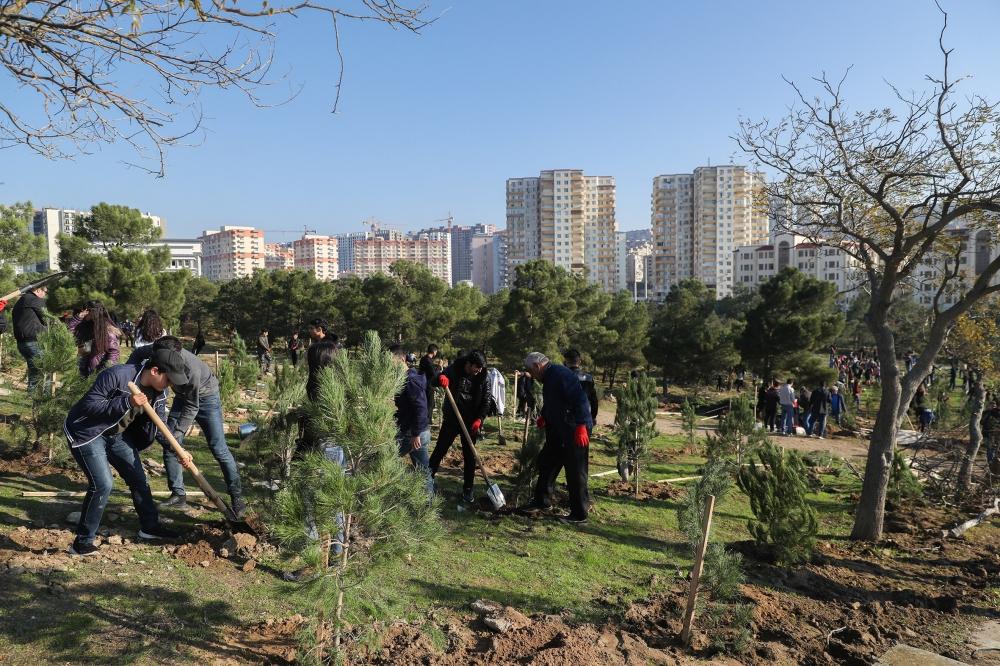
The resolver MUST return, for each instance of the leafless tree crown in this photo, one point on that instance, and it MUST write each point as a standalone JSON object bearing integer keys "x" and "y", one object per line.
{"x": 91, "y": 72}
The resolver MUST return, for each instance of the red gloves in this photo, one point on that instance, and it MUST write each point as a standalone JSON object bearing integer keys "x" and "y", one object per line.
{"x": 540, "y": 422}
{"x": 443, "y": 381}
{"x": 581, "y": 437}
{"x": 3, "y": 304}
{"x": 476, "y": 425}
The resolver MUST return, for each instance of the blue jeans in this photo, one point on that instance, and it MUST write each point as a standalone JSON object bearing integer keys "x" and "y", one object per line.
{"x": 29, "y": 351}
{"x": 93, "y": 459}
{"x": 807, "y": 422}
{"x": 209, "y": 419}
{"x": 818, "y": 424}
{"x": 787, "y": 419}
{"x": 420, "y": 457}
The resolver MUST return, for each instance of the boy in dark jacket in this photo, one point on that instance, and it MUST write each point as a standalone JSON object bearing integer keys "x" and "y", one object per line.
{"x": 472, "y": 395}
{"x": 412, "y": 417}
{"x": 109, "y": 427}
{"x": 29, "y": 320}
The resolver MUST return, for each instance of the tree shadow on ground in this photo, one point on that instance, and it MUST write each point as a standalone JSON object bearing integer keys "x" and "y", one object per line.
{"x": 113, "y": 622}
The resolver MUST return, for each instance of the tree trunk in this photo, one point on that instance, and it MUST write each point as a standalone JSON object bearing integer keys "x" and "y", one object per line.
{"x": 340, "y": 584}
{"x": 975, "y": 435}
{"x": 325, "y": 542}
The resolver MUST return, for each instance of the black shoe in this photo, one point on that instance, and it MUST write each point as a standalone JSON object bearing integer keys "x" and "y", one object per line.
{"x": 239, "y": 508}
{"x": 467, "y": 496}
{"x": 535, "y": 505}
{"x": 158, "y": 532}
{"x": 175, "y": 501}
{"x": 83, "y": 549}
{"x": 573, "y": 520}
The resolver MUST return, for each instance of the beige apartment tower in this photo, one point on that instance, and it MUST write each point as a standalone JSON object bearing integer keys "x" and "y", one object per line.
{"x": 699, "y": 219}
{"x": 318, "y": 255}
{"x": 232, "y": 252}
{"x": 566, "y": 218}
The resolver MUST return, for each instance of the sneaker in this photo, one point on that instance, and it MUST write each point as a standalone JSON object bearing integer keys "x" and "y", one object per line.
{"x": 297, "y": 575}
{"x": 468, "y": 497}
{"x": 158, "y": 532}
{"x": 239, "y": 508}
{"x": 573, "y": 520}
{"x": 83, "y": 549}
{"x": 175, "y": 501}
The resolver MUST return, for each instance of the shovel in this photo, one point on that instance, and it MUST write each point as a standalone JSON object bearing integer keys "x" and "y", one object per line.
{"x": 501, "y": 440}
{"x": 492, "y": 489}
{"x": 203, "y": 483}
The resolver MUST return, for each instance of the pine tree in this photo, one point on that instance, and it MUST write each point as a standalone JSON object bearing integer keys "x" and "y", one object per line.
{"x": 279, "y": 428}
{"x": 777, "y": 488}
{"x": 61, "y": 387}
{"x": 689, "y": 422}
{"x": 245, "y": 366}
{"x": 722, "y": 615}
{"x": 738, "y": 434}
{"x": 635, "y": 424}
{"x": 342, "y": 519}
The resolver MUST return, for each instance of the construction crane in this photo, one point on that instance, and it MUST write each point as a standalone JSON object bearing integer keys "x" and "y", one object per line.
{"x": 450, "y": 220}
{"x": 304, "y": 230}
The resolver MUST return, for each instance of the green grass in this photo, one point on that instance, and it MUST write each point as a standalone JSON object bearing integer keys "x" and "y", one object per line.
{"x": 177, "y": 613}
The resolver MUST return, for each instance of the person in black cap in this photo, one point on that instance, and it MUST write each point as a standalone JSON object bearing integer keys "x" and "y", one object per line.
{"x": 472, "y": 395}
{"x": 107, "y": 428}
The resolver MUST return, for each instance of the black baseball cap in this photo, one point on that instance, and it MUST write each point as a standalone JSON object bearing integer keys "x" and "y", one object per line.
{"x": 171, "y": 363}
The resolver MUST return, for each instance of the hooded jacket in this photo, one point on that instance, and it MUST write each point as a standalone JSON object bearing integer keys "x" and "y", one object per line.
{"x": 471, "y": 393}
{"x": 29, "y": 317}
{"x": 106, "y": 403}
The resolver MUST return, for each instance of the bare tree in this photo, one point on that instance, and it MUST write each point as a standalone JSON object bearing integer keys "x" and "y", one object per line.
{"x": 889, "y": 186}
{"x": 94, "y": 72}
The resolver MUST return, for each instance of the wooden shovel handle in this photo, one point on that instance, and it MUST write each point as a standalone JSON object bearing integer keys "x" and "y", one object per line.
{"x": 179, "y": 451}
{"x": 468, "y": 437}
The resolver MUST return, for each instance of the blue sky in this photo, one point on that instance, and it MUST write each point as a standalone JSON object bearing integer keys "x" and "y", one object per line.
{"x": 435, "y": 123}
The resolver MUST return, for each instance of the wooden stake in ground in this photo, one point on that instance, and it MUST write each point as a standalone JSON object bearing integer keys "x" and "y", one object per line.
{"x": 699, "y": 563}
{"x": 216, "y": 361}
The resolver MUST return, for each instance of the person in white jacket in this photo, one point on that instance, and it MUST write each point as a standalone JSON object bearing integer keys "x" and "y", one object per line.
{"x": 786, "y": 396}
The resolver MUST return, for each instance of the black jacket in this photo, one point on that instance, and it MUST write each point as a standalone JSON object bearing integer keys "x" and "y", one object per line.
{"x": 430, "y": 372}
{"x": 819, "y": 401}
{"x": 587, "y": 383}
{"x": 411, "y": 405}
{"x": 29, "y": 317}
{"x": 471, "y": 393}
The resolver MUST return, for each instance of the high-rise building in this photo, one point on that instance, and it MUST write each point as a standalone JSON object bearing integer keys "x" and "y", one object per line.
{"x": 699, "y": 219}
{"x": 317, "y": 254}
{"x": 461, "y": 246}
{"x": 232, "y": 252}
{"x": 567, "y": 218}
{"x": 50, "y": 222}
{"x": 278, "y": 257}
{"x": 377, "y": 255}
{"x": 489, "y": 262}
{"x": 345, "y": 243}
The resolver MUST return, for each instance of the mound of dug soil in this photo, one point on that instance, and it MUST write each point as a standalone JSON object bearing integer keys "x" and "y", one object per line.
{"x": 646, "y": 490}
{"x": 270, "y": 642}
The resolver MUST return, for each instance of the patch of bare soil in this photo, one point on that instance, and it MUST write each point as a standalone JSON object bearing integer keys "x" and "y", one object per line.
{"x": 206, "y": 545}
{"x": 270, "y": 642}
{"x": 848, "y": 606}
{"x": 36, "y": 464}
{"x": 497, "y": 463}
{"x": 646, "y": 490}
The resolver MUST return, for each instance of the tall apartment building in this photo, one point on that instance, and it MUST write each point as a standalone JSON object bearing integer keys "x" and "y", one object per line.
{"x": 232, "y": 252}
{"x": 699, "y": 219}
{"x": 461, "y": 246}
{"x": 567, "y": 218}
{"x": 489, "y": 262}
{"x": 278, "y": 257}
{"x": 345, "y": 243}
{"x": 377, "y": 255}
{"x": 317, "y": 254}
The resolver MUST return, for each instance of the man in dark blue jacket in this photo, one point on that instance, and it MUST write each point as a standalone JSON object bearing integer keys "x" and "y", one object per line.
{"x": 412, "y": 417}
{"x": 108, "y": 427}
{"x": 567, "y": 422}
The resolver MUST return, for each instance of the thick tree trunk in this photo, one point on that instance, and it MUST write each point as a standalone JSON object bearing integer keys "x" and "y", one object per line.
{"x": 975, "y": 435}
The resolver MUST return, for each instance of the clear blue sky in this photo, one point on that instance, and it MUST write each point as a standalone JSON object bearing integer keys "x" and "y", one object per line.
{"x": 435, "y": 123}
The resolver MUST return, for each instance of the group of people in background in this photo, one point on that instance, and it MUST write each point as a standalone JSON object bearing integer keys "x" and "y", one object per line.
{"x": 803, "y": 408}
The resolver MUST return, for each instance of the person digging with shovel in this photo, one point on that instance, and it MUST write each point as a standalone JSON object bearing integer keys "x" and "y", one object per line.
{"x": 199, "y": 402}
{"x": 107, "y": 428}
{"x": 472, "y": 396}
{"x": 567, "y": 423}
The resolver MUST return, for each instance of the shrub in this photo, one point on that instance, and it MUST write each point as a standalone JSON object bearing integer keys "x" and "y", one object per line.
{"x": 777, "y": 488}
{"x": 635, "y": 424}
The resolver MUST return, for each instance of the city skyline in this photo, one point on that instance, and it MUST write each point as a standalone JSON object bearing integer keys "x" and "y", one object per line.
{"x": 437, "y": 123}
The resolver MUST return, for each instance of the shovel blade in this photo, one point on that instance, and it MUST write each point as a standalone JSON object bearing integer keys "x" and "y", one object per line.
{"x": 496, "y": 497}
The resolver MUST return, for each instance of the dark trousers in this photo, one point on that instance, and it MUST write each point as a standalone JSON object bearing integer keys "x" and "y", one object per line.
{"x": 29, "y": 352}
{"x": 559, "y": 452}
{"x": 93, "y": 459}
{"x": 293, "y": 356}
{"x": 449, "y": 431}
{"x": 771, "y": 417}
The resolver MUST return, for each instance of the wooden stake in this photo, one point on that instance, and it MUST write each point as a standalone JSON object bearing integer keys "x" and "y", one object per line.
{"x": 699, "y": 563}
{"x": 216, "y": 361}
